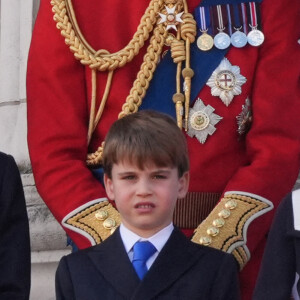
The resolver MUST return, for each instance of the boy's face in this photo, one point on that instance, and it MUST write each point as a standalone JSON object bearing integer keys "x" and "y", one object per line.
{"x": 145, "y": 198}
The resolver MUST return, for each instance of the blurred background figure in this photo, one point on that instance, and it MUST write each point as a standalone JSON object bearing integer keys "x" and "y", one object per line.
{"x": 281, "y": 261}
{"x": 14, "y": 234}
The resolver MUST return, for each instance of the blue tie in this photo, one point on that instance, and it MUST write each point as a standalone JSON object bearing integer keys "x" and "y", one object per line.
{"x": 142, "y": 251}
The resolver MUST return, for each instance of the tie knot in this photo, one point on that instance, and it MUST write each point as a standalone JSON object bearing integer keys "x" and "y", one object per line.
{"x": 143, "y": 251}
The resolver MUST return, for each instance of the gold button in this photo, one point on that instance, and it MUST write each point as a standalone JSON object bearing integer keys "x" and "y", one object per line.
{"x": 224, "y": 213}
{"x": 101, "y": 215}
{"x": 213, "y": 231}
{"x": 205, "y": 240}
{"x": 231, "y": 204}
{"x": 109, "y": 223}
{"x": 219, "y": 222}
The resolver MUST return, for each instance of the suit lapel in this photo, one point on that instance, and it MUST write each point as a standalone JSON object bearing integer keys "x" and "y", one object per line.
{"x": 170, "y": 264}
{"x": 111, "y": 260}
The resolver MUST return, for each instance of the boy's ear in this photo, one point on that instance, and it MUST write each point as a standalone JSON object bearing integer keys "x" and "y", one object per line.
{"x": 184, "y": 181}
{"x": 109, "y": 188}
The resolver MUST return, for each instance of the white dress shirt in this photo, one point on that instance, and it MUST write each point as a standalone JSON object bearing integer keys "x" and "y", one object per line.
{"x": 158, "y": 240}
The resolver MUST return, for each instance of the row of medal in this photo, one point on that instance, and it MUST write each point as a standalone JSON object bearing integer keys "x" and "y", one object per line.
{"x": 230, "y": 24}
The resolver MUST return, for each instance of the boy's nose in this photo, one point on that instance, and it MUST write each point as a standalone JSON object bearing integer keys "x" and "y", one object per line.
{"x": 144, "y": 188}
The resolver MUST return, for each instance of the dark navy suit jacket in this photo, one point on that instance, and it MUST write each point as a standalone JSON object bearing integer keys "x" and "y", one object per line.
{"x": 183, "y": 270}
{"x": 281, "y": 260}
{"x": 14, "y": 234}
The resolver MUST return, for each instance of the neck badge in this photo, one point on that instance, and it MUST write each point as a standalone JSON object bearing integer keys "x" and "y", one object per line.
{"x": 171, "y": 18}
{"x": 202, "y": 121}
{"x": 226, "y": 81}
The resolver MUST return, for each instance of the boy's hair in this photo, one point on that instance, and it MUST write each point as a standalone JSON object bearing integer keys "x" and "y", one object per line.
{"x": 144, "y": 137}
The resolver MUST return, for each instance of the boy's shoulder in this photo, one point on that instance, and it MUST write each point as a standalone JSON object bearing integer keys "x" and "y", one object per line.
{"x": 84, "y": 253}
{"x": 83, "y": 256}
{"x": 211, "y": 256}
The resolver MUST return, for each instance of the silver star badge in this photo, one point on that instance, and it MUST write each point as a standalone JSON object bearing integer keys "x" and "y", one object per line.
{"x": 202, "y": 121}
{"x": 226, "y": 81}
{"x": 171, "y": 19}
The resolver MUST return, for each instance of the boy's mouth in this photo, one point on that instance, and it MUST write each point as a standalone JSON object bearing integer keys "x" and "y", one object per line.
{"x": 144, "y": 205}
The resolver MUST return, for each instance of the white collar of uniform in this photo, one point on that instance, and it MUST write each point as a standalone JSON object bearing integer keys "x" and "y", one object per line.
{"x": 159, "y": 239}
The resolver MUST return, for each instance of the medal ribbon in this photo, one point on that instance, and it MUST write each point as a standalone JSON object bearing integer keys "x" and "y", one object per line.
{"x": 220, "y": 18}
{"x": 229, "y": 19}
{"x": 236, "y": 14}
{"x": 244, "y": 15}
{"x": 253, "y": 15}
{"x": 203, "y": 18}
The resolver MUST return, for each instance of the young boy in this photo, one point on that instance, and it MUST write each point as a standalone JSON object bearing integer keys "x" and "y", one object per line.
{"x": 146, "y": 169}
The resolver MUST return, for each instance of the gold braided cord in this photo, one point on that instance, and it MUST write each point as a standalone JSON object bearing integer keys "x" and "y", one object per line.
{"x": 93, "y": 105}
{"x": 95, "y": 159}
{"x": 104, "y": 98}
{"x": 94, "y": 120}
{"x": 188, "y": 32}
{"x": 102, "y": 60}
{"x": 97, "y": 59}
{"x": 141, "y": 84}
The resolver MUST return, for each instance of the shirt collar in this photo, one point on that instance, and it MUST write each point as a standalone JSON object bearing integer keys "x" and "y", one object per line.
{"x": 159, "y": 239}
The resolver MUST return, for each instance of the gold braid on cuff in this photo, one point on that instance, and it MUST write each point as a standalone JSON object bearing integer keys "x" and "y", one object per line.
{"x": 226, "y": 226}
{"x": 99, "y": 220}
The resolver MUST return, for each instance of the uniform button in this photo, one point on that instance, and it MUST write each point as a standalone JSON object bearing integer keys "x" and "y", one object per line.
{"x": 219, "y": 222}
{"x": 224, "y": 213}
{"x": 231, "y": 204}
{"x": 101, "y": 215}
{"x": 213, "y": 231}
{"x": 205, "y": 240}
{"x": 109, "y": 223}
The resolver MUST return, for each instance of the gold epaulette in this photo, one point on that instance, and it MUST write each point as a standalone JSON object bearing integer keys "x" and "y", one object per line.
{"x": 97, "y": 221}
{"x": 226, "y": 226}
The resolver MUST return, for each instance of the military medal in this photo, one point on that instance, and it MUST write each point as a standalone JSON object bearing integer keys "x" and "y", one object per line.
{"x": 222, "y": 39}
{"x": 238, "y": 38}
{"x": 205, "y": 41}
{"x": 226, "y": 81}
{"x": 202, "y": 121}
{"x": 255, "y": 37}
{"x": 171, "y": 18}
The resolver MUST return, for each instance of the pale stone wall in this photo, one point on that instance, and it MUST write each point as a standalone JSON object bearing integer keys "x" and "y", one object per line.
{"x": 48, "y": 240}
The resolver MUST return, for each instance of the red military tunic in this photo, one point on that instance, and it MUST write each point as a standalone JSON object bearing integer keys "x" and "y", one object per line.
{"x": 255, "y": 170}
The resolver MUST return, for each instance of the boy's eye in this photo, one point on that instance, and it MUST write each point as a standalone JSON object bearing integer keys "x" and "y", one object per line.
{"x": 129, "y": 177}
{"x": 159, "y": 176}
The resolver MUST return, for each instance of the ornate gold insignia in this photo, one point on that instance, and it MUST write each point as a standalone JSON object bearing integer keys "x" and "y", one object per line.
{"x": 226, "y": 226}
{"x": 96, "y": 221}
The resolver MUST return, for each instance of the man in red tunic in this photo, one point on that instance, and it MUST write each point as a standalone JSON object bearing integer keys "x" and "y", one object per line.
{"x": 228, "y": 74}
